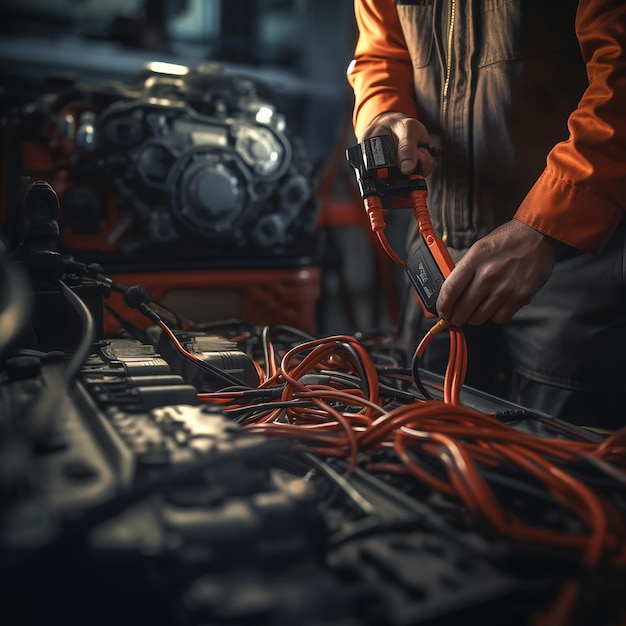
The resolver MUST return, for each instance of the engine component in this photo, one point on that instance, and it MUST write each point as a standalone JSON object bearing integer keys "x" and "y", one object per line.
{"x": 202, "y": 166}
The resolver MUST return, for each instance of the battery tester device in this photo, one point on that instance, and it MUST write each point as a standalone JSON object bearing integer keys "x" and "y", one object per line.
{"x": 379, "y": 179}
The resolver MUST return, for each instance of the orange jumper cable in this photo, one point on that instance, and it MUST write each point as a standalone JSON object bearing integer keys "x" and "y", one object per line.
{"x": 379, "y": 179}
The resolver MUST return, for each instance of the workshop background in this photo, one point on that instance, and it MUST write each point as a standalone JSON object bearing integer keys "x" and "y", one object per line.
{"x": 300, "y": 49}
{"x": 196, "y": 470}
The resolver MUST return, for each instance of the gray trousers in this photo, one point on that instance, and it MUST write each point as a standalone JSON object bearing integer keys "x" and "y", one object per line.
{"x": 564, "y": 353}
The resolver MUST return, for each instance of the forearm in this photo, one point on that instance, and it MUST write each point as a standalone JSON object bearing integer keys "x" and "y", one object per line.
{"x": 581, "y": 195}
{"x": 381, "y": 74}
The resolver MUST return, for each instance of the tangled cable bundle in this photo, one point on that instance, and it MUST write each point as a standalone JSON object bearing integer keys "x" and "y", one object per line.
{"x": 329, "y": 396}
{"x": 349, "y": 397}
{"x": 355, "y": 398}
{"x": 442, "y": 444}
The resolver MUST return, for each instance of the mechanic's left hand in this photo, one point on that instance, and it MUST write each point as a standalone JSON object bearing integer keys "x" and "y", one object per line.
{"x": 499, "y": 274}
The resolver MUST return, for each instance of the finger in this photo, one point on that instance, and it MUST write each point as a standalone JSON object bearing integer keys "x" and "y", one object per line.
{"x": 505, "y": 313}
{"x": 409, "y": 134}
{"x": 408, "y": 154}
{"x": 485, "y": 300}
{"x": 471, "y": 307}
{"x": 452, "y": 290}
{"x": 486, "y": 310}
{"x": 479, "y": 302}
{"x": 476, "y": 304}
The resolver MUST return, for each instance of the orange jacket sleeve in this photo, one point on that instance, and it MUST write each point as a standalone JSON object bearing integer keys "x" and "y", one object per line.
{"x": 581, "y": 195}
{"x": 380, "y": 74}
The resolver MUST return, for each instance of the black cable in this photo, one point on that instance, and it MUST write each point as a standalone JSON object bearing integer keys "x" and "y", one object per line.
{"x": 227, "y": 379}
{"x": 243, "y": 412}
{"x": 88, "y": 334}
{"x": 339, "y": 480}
{"x": 386, "y": 391}
{"x": 505, "y": 480}
{"x": 134, "y": 331}
{"x": 392, "y": 507}
{"x": 260, "y": 394}
{"x": 359, "y": 364}
{"x": 137, "y": 297}
{"x": 415, "y": 372}
{"x": 265, "y": 341}
{"x": 293, "y": 331}
{"x": 597, "y": 474}
{"x": 569, "y": 431}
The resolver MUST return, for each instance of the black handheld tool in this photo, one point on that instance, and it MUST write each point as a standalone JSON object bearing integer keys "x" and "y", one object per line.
{"x": 379, "y": 178}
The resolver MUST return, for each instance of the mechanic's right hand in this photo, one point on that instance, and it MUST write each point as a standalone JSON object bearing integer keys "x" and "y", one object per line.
{"x": 408, "y": 133}
{"x": 498, "y": 275}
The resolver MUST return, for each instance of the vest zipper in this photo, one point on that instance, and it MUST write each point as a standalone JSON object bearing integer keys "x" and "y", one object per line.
{"x": 444, "y": 100}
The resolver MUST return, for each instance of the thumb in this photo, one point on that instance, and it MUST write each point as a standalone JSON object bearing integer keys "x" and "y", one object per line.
{"x": 408, "y": 154}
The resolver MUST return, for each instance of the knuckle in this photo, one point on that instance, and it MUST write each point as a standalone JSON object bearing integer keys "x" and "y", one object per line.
{"x": 460, "y": 315}
{"x": 404, "y": 145}
{"x": 478, "y": 317}
{"x": 501, "y": 316}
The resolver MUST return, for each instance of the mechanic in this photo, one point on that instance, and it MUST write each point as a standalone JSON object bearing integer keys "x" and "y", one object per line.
{"x": 527, "y": 100}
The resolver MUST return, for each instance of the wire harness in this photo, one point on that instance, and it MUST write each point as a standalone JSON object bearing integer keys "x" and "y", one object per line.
{"x": 561, "y": 493}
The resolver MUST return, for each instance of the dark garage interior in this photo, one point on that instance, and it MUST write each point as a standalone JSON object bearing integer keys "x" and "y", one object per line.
{"x": 209, "y": 413}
